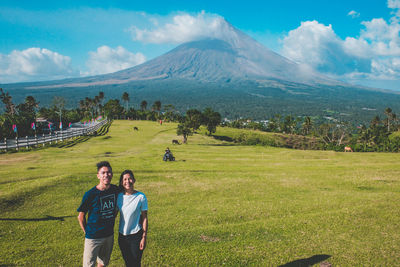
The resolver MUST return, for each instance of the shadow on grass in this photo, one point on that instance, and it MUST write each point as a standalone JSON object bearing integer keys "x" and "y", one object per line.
{"x": 218, "y": 144}
{"x": 47, "y": 218}
{"x": 223, "y": 138}
{"x": 15, "y": 201}
{"x": 101, "y": 132}
{"x": 307, "y": 261}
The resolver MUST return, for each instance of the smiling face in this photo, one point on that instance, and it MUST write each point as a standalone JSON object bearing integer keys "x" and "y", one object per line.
{"x": 105, "y": 175}
{"x": 128, "y": 182}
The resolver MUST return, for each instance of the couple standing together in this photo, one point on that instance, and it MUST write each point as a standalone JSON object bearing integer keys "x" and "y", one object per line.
{"x": 101, "y": 205}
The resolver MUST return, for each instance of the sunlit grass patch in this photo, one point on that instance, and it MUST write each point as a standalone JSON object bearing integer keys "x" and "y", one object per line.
{"x": 218, "y": 204}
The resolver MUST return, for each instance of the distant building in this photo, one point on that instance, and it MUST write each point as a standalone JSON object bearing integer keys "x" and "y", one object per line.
{"x": 41, "y": 119}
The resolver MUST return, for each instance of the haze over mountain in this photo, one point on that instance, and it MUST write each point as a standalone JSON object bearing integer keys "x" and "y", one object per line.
{"x": 232, "y": 73}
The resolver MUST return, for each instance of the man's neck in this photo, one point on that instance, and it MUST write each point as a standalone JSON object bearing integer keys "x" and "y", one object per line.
{"x": 102, "y": 187}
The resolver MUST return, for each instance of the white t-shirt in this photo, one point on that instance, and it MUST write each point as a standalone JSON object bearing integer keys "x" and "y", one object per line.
{"x": 130, "y": 208}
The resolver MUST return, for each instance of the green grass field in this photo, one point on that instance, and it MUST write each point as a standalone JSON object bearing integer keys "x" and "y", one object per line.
{"x": 218, "y": 204}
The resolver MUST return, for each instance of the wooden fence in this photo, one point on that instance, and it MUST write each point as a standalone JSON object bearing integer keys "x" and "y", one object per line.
{"x": 54, "y": 137}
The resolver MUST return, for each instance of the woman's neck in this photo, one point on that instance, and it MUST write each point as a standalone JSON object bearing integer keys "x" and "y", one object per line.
{"x": 130, "y": 191}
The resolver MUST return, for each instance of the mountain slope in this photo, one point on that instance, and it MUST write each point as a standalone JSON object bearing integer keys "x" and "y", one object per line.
{"x": 234, "y": 57}
{"x": 233, "y": 74}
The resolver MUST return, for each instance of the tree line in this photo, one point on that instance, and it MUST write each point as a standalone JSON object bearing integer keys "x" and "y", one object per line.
{"x": 379, "y": 135}
{"x": 22, "y": 119}
{"x": 382, "y": 134}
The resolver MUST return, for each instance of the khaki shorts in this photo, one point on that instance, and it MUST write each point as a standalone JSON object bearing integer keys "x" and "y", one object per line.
{"x": 97, "y": 249}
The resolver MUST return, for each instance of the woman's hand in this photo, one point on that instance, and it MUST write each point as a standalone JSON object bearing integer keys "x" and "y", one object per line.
{"x": 142, "y": 245}
{"x": 145, "y": 228}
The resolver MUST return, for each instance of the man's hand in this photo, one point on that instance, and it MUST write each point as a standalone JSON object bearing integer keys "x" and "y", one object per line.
{"x": 82, "y": 221}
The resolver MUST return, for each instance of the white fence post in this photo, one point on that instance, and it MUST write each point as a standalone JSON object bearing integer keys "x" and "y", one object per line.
{"x": 16, "y": 142}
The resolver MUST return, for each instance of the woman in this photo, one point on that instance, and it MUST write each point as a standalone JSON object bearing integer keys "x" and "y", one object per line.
{"x": 133, "y": 221}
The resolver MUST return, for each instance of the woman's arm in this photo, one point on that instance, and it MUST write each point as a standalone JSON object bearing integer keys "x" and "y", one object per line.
{"x": 145, "y": 227}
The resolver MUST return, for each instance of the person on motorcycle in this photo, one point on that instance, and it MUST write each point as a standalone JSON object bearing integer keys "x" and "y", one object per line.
{"x": 168, "y": 155}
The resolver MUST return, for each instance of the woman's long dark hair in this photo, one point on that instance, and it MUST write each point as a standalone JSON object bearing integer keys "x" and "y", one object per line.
{"x": 120, "y": 187}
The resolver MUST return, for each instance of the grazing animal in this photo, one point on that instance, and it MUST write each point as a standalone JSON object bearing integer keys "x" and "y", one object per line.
{"x": 348, "y": 149}
{"x": 175, "y": 142}
{"x": 135, "y": 128}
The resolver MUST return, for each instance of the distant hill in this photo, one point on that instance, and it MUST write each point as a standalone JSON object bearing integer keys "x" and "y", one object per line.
{"x": 233, "y": 74}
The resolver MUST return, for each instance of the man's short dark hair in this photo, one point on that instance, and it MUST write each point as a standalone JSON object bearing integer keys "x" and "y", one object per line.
{"x": 102, "y": 164}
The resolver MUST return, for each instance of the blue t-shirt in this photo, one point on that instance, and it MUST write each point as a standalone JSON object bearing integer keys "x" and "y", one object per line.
{"x": 101, "y": 208}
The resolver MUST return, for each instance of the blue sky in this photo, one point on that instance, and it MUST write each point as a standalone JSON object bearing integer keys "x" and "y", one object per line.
{"x": 354, "y": 41}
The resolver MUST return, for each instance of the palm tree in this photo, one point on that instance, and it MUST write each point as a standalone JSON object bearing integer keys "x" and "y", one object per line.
{"x": 101, "y": 104}
{"x": 7, "y": 101}
{"x": 88, "y": 105}
{"x": 375, "y": 121}
{"x": 289, "y": 124}
{"x": 366, "y": 137}
{"x": 157, "y": 106}
{"x": 274, "y": 124}
{"x": 101, "y": 96}
{"x": 59, "y": 104}
{"x": 279, "y": 122}
{"x": 29, "y": 106}
{"x": 394, "y": 121}
{"x": 96, "y": 102}
{"x": 388, "y": 113}
{"x": 31, "y": 102}
{"x": 143, "y": 105}
{"x": 307, "y": 124}
{"x": 125, "y": 98}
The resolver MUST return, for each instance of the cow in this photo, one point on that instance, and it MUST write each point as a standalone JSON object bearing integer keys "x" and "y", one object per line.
{"x": 348, "y": 149}
{"x": 175, "y": 142}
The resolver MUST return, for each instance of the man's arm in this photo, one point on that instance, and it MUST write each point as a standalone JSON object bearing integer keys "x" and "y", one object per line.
{"x": 145, "y": 227}
{"x": 82, "y": 220}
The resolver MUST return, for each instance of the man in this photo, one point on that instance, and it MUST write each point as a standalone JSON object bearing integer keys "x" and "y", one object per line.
{"x": 100, "y": 205}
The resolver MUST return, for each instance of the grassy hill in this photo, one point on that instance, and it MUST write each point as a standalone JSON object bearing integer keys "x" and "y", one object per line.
{"x": 218, "y": 204}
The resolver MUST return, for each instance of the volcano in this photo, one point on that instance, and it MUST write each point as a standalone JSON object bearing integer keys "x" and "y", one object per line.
{"x": 233, "y": 74}
{"x": 235, "y": 57}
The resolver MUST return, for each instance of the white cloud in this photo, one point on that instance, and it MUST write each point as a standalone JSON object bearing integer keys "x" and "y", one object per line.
{"x": 34, "y": 64}
{"x": 374, "y": 54}
{"x": 394, "y": 4}
{"x": 353, "y": 14}
{"x": 107, "y": 60}
{"x": 183, "y": 28}
{"x": 318, "y": 46}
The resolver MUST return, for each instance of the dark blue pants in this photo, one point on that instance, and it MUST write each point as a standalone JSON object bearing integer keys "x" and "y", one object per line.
{"x": 130, "y": 248}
